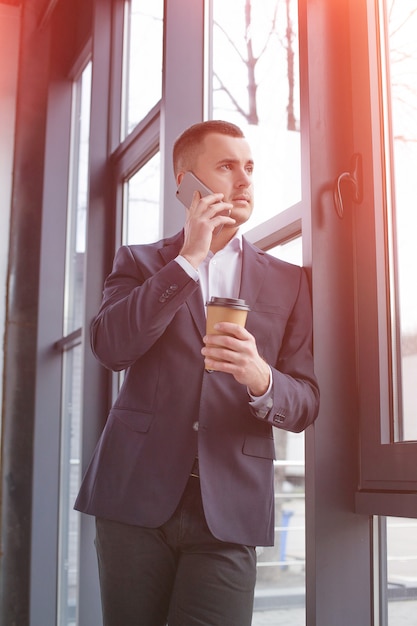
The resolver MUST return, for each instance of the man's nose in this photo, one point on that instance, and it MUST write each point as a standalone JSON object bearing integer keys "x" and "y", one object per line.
{"x": 243, "y": 179}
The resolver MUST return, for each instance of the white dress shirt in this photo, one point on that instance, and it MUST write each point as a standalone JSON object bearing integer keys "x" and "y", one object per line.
{"x": 219, "y": 275}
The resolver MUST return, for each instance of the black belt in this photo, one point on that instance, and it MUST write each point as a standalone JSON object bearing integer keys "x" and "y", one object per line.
{"x": 195, "y": 471}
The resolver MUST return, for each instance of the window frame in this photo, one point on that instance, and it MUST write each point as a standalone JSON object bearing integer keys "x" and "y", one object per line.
{"x": 388, "y": 472}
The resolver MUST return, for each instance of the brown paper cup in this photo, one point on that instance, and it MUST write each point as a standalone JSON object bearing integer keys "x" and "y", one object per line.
{"x": 225, "y": 310}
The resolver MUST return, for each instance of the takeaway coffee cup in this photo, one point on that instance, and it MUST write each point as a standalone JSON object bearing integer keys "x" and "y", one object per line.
{"x": 225, "y": 310}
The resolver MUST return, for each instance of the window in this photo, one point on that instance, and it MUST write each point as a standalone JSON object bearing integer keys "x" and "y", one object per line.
{"x": 71, "y": 415}
{"x": 143, "y": 60}
{"x": 142, "y": 213}
{"x": 399, "y": 24}
{"x": 253, "y": 79}
{"x": 395, "y": 568}
{"x": 281, "y": 568}
{"x": 401, "y": 583}
{"x": 255, "y": 84}
{"x": 389, "y": 434}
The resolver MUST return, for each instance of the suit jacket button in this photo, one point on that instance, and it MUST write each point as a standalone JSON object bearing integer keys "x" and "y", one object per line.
{"x": 195, "y": 426}
{"x": 279, "y": 418}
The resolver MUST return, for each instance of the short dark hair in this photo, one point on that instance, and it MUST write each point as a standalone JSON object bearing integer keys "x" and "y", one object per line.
{"x": 189, "y": 143}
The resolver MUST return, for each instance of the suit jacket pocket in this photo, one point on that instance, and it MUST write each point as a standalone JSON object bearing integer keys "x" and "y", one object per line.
{"x": 134, "y": 420}
{"x": 262, "y": 447}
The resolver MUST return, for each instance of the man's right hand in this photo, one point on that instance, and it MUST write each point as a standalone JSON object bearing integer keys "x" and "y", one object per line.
{"x": 203, "y": 217}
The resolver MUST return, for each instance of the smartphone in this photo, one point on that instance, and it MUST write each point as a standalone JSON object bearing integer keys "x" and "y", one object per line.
{"x": 189, "y": 184}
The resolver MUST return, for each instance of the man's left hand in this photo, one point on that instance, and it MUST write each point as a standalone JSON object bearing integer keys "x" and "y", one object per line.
{"x": 234, "y": 351}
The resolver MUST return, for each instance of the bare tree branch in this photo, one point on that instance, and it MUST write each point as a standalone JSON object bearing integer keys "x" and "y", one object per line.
{"x": 251, "y": 65}
{"x": 251, "y": 60}
{"x": 291, "y": 120}
{"x": 230, "y": 95}
{"x": 271, "y": 32}
{"x": 232, "y": 43}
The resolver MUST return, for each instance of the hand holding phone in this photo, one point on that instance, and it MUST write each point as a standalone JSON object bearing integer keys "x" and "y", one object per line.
{"x": 189, "y": 184}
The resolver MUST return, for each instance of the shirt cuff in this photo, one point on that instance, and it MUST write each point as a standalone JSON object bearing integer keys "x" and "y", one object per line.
{"x": 261, "y": 405}
{"x": 187, "y": 267}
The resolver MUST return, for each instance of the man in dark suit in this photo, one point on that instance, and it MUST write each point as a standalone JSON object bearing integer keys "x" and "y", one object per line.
{"x": 181, "y": 482}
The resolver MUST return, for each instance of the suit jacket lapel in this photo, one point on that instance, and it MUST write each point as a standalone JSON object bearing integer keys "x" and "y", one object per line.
{"x": 254, "y": 263}
{"x": 196, "y": 306}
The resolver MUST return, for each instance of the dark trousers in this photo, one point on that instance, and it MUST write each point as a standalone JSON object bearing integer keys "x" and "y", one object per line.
{"x": 178, "y": 574}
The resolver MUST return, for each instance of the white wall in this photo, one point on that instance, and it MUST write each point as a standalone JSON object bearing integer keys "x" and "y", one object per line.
{"x": 9, "y": 51}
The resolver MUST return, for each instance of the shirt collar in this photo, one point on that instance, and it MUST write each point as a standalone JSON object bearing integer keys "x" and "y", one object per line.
{"x": 235, "y": 243}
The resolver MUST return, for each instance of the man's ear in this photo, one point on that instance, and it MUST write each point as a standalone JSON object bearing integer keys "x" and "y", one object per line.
{"x": 179, "y": 177}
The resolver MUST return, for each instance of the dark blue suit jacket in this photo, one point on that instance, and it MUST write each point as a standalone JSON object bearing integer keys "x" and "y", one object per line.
{"x": 151, "y": 324}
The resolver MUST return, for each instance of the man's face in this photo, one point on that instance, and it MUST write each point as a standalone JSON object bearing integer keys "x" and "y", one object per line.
{"x": 225, "y": 165}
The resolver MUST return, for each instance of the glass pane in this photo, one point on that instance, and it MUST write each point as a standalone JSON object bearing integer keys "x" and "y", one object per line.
{"x": 77, "y": 203}
{"x": 72, "y": 359}
{"x": 255, "y": 84}
{"x": 141, "y": 212}
{"x": 402, "y": 570}
{"x": 401, "y": 155}
{"x": 143, "y": 42}
{"x": 290, "y": 251}
{"x": 280, "y": 586}
{"x": 70, "y": 483}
